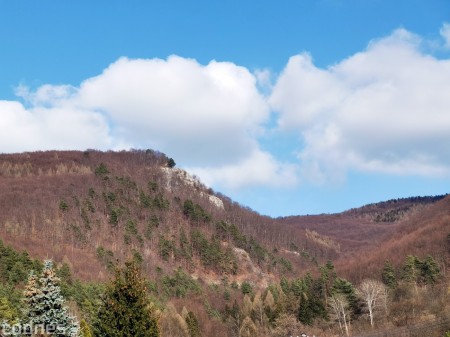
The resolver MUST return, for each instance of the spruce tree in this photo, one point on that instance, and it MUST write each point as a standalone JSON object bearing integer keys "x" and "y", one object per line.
{"x": 126, "y": 310}
{"x": 388, "y": 275}
{"x": 411, "y": 269}
{"x": 44, "y": 305}
{"x": 344, "y": 287}
{"x": 429, "y": 270}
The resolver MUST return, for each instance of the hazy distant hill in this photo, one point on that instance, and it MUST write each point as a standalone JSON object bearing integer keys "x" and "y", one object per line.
{"x": 392, "y": 229}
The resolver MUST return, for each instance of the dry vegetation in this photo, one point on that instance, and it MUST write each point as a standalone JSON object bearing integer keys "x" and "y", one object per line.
{"x": 55, "y": 205}
{"x": 90, "y": 209}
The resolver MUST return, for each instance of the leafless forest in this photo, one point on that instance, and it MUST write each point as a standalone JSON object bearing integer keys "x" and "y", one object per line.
{"x": 93, "y": 210}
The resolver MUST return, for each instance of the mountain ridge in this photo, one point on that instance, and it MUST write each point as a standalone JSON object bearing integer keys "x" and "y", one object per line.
{"x": 73, "y": 196}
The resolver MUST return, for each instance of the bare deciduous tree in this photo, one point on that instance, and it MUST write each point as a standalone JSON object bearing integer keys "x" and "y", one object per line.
{"x": 340, "y": 307}
{"x": 373, "y": 293}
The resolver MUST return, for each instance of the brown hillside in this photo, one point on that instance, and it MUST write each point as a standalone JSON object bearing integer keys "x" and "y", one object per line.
{"x": 364, "y": 227}
{"x": 425, "y": 232}
{"x": 92, "y": 208}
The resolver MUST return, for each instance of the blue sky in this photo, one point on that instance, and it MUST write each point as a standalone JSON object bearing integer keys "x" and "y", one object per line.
{"x": 288, "y": 107}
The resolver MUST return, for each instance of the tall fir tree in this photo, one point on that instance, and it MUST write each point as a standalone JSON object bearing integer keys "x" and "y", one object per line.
{"x": 44, "y": 305}
{"x": 126, "y": 310}
{"x": 429, "y": 270}
{"x": 388, "y": 275}
{"x": 411, "y": 269}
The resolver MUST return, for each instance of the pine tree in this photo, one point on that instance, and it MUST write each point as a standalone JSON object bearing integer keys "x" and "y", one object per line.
{"x": 171, "y": 163}
{"x": 126, "y": 311}
{"x": 327, "y": 278}
{"x": 44, "y": 305}
{"x": 411, "y": 269}
{"x": 429, "y": 270}
{"x": 311, "y": 304}
{"x": 388, "y": 275}
{"x": 344, "y": 287}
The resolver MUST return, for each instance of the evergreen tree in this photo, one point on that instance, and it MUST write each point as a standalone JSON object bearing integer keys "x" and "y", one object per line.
{"x": 44, "y": 305}
{"x": 344, "y": 287}
{"x": 285, "y": 286}
{"x": 171, "y": 163}
{"x": 246, "y": 288}
{"x": 126, "y": 311}
{"x": 429, "y": 270}
{"x": 327, "y": 278}
{"x": 311, "y": 304}
{"x": 411, "y": 269}
{"x": 388, "y": 275}
{"x": 310, "y": 307}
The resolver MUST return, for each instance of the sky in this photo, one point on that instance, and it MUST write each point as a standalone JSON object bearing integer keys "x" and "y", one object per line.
{"x": 288, "y": 107}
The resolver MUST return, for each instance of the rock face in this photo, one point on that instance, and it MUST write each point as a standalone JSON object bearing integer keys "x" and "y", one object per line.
{"x": 176, "y": 177}
{"x": 215, "y": 201}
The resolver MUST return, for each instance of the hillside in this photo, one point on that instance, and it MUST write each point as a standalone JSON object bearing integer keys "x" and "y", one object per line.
{"x": 92, "y": 211}
{"x": 91, "y": 208}
{"x": 424, "y": 231}
{"x": 364, "y": 227}
{"x": 101, "y": 206}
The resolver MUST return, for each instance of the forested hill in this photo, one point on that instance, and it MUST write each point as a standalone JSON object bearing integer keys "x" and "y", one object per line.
{"x": 370, "y": 227}
{"x": 92, "y": 208}
{"x": 102, "y": 206}
{"x": 207, "y": 260}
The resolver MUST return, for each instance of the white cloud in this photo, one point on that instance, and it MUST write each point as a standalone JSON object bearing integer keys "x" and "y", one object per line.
{"x": 201, "y": 115}
{"x": 259, "y": 168}
{"x": 41, "y": 128}
{"x": 386, "y": 109}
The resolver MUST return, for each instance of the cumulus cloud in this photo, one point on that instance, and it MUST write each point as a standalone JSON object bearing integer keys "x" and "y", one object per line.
{"x": 386, "y": 109}
{"x": 41, "y": 128}
{"x": 201, "y": 115}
